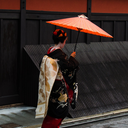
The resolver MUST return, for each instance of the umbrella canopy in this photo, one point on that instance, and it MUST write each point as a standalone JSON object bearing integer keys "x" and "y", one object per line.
{"x": 81, "y": 24}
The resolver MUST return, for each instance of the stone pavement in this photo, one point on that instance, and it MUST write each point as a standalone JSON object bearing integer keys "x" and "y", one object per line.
{"x": 24, "y": 117}
{"x": 18, "y": 116}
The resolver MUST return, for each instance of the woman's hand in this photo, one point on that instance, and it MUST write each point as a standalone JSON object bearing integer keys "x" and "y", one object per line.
{"x": 73, "y": 54}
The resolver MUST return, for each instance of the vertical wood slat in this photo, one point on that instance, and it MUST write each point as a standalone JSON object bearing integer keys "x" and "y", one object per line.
{"x": 70, "y": 36}
{"x": 41, "y": 32}
{"x": 102, "y": 25}
{"x": 0, "y": 48}
{"x": 114, "y": 31}
{"x": 126, "y": 35}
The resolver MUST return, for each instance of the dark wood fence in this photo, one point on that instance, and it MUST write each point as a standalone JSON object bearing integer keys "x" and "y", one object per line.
{"x": 9, "y": 56}
{"x": 38, "y": 32}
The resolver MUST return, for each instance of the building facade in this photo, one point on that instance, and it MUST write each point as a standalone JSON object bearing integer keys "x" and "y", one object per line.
{"x": 23, "y": 22}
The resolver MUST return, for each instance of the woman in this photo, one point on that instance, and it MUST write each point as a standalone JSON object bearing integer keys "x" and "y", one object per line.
{"x": 64, "y": 88}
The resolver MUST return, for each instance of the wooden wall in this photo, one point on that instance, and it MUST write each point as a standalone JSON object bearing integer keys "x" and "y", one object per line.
{"x": 109, "y": 6}
{"x": 10, "y": 4}
{"x": 57, "y": 5}
{"x": 9, "y": 58}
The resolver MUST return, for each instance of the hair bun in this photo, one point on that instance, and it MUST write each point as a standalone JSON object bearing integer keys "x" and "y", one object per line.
{"x": 59, "y": 36}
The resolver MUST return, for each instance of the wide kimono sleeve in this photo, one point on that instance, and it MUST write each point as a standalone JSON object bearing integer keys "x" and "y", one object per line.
{"x": 48, "y": 71}
{"x": 66, "y": 63}
{"x": 63, "y": 61}
{"x": 69, "y": 68}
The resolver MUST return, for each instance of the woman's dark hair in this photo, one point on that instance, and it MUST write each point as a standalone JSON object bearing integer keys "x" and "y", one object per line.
{"x": 59, "y": 36}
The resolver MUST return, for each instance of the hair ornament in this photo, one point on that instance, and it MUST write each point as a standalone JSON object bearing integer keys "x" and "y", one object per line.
{"x": 61, "y": 35}
{"x": 55, "y": 33}
{"x": 57, "y": 30}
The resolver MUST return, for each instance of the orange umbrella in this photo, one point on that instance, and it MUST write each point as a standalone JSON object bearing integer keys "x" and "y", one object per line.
{"x": 80, "y": 24}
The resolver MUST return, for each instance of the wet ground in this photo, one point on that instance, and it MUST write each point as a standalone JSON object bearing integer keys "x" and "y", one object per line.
{"x": 18, "y": 117}
{"x": 24, "y": 117}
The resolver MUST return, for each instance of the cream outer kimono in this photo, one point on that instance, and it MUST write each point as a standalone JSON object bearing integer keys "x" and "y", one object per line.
{"x": 48, "y": 72}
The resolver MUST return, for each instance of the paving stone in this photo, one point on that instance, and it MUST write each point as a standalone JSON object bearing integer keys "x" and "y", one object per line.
{"x": 9, "y": 125}
{"x": 23, "y": 116}
{"x": 26, "y": 118}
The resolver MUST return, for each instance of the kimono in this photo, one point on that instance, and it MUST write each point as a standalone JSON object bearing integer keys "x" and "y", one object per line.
{"x": 63, "y": 88}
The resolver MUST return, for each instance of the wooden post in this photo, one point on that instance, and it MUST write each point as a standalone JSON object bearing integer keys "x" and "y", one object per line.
{"x": 89, "y": 17}
{"x": 23, "y": 24}
{"x": 89, "y": 9}
{"x": 22, "y": 43}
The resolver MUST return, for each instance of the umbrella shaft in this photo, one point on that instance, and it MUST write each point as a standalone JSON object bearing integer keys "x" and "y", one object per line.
{"x": 76, "y": 41}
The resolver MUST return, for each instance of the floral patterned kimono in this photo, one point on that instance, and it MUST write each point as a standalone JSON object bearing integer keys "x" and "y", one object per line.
{"x": 64, "y": 89}
{"x": 65, "y": 86}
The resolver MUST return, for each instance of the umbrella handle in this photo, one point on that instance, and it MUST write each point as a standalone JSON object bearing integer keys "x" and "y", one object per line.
{"x": 76, "y": 40}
